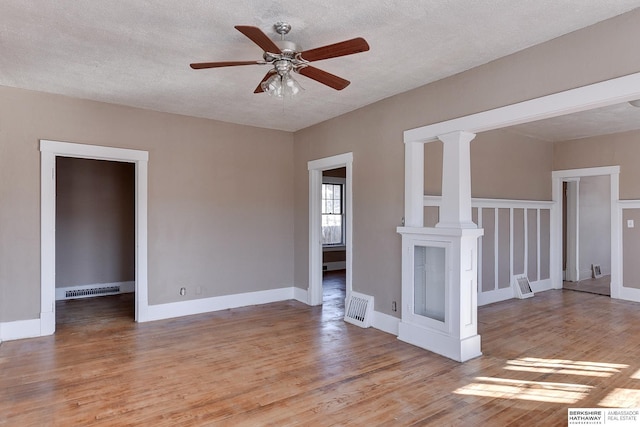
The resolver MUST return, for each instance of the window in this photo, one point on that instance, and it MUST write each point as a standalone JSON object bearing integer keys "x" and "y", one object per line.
{"x": 332, "y": 214}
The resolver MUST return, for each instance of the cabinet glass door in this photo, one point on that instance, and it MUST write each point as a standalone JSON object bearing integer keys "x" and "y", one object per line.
{"x": 429, "y": 282}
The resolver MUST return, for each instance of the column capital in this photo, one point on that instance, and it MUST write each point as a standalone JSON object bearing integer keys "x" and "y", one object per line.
{"x": 457, "y": 136}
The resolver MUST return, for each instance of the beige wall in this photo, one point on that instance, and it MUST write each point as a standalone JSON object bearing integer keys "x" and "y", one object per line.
{"x": 95, "y": 222}
{"x": 374, "y": 135}
{"x": 497, "y": 154}
{"x": 220, "y": 197}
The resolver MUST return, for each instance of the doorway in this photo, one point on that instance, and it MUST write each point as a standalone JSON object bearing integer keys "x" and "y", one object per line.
{"x": 590, "y": 233}
{"x": 95, "y": 230}
{"x": 334, "y": 230}
{"x": 316, "y": 249}
{"x": 49, "y": 150}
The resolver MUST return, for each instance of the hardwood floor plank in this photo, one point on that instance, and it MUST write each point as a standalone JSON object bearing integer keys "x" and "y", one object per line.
{"x": 289, "y": 364}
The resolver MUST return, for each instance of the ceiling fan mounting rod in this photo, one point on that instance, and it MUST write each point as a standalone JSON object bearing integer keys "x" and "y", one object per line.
{"x": 282, "y": 28}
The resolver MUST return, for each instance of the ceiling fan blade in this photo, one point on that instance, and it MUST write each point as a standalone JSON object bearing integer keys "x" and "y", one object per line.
{"x": 201, "y": 65}
{"x": 346, "y": 47}
{"x": 264, "y": 79}
{"x": 258, "y": 37}
{"x": 323, "y": 77}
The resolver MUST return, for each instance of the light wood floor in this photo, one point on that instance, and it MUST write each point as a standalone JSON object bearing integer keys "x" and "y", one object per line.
{"x": 289, "y": 364}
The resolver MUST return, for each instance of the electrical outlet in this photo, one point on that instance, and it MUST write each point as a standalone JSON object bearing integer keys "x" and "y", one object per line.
{"x": 183, "y": 291}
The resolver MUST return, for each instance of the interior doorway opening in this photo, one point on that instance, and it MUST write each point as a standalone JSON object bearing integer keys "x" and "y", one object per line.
{"x": 330, "y": 196}
{"x": 49, "y": 151}
{"x": 589, "y": 231}
{"x": 95, "y": 231}
{"x": 334, "y": 231}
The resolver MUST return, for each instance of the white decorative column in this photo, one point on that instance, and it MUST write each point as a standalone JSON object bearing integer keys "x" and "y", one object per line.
{"x": 414, "y": 184}
{"x": 439, "y": 264}
{"x": 455, "y": 211}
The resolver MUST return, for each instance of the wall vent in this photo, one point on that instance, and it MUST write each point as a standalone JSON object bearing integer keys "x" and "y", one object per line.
{"x": 359, "y": 309}
{"x": 91, "y": 292}
{"x": 523, "y": 287}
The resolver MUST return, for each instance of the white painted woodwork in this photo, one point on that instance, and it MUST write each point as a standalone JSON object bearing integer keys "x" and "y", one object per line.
{"x": 601, "y": 94}
{"x": 456, "y": 337}
{"x": 316, "y": 167}
{"x": 496, "y": 293}
{"x": 557, "y": 178}
{"x": 48, "y": 152}
{"x": 573, "y": 223}
{"x": 455, "y": 211}
{"x": 413, "y": 184}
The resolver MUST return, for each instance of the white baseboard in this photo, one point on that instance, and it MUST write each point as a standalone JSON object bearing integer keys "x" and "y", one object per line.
{"x": 385, "y": 323}
{"x": 125, "y": 287}
{"x": 205, "y": 305}
{"x": 301, "y": 295}
{"x": 629, "y": 294}
{"x": 504, "y": 294}
{"x": 20, "y": 329}
{"x": 541, "y": 285}
{"x": 498, "y": 295}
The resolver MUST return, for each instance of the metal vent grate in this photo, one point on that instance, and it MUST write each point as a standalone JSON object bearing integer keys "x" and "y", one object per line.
{"x": 359, "y": 309}
{"x": 523, "y": 287}
{"x": 78, "y": 293}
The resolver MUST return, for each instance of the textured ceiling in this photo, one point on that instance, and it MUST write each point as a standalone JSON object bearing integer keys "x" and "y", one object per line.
{"x": 600, "y": 121}
{"x": 138, "y": 52}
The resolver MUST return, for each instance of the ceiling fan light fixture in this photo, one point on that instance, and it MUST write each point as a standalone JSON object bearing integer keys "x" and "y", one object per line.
{"x": 281, "y": 86}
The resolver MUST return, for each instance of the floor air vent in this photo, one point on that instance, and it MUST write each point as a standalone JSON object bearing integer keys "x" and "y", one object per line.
{"x": 359, "y": 308}
{"x": 92, "y": 292}
{"x": 523, "y": 287}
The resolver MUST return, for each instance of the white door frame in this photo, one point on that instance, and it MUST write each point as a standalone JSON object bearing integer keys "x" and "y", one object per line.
{"x": 49, "y": 150}
{"x": 573, "y": 225}
{"x": 316, "y": 167}
{"x": 557, "y": 177}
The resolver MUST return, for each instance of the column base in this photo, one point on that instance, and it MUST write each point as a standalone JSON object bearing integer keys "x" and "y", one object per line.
{"x": 458, "y": 349}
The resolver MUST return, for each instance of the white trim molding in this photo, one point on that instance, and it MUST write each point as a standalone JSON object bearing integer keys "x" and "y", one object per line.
{"x": 557, "y": 178}
{"x": 206, "y": 305}
{"x": 20, "y": 329}
{"x": 385, "y": 323}
{"x": 49, "y": 150}
{"x": 626, "y": 293}
{"x": 601, "y": 94}
{"x": 316, "y": 167}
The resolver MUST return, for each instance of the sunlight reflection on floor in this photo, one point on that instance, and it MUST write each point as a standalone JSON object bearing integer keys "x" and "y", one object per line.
{"x": 567, "y": 367}
{"x": 622, "y": 398}
{"x": 556, "y": 392}
{"x": 526, "y": 390}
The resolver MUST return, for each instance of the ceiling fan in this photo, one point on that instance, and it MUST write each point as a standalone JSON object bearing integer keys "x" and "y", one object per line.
{"x": 285, "y": 56}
